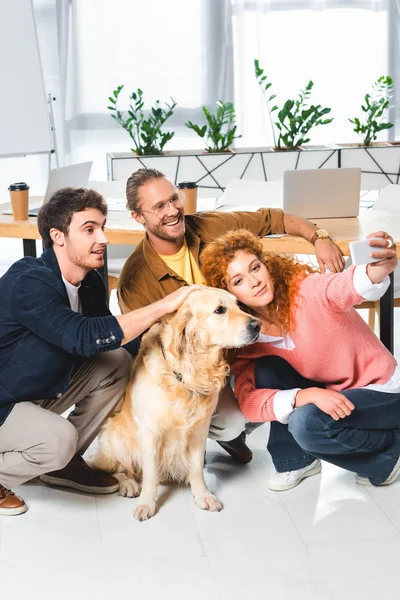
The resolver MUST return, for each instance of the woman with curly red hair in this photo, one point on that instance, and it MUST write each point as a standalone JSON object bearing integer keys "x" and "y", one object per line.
{"x": 318, "y": 373}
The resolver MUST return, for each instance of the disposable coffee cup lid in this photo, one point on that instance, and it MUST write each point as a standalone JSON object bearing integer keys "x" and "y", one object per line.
{"x": 19, "y": 186}
{"x": 187, "y": 184}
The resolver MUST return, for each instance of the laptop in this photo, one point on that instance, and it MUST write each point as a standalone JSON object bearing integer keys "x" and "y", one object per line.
{"x": 72, "y": 176}
{"x": 322, "y": 193}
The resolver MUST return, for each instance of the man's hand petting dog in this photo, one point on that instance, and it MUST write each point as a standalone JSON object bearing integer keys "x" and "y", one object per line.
{"x": 173, "y": 301}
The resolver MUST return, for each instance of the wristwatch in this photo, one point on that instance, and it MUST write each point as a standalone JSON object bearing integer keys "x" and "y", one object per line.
{"x": 320, "y": 234}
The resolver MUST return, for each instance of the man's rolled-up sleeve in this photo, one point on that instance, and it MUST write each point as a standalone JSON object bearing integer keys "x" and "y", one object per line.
{"x": 263, "y": 221}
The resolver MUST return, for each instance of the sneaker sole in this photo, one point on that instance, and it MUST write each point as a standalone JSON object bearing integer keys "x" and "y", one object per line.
{"x": 283, "y": 488}
{"x": 389, "y": 480}
{"x": 87, "y": 489}
{"x": 11, "y": 512}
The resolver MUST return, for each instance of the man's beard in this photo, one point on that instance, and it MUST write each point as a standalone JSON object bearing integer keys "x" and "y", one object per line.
{"x": 83, "y": 262}
{"x": 160, "y": 232}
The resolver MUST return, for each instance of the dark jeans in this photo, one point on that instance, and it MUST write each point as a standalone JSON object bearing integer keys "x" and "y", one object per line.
{"x": 366, "y": 442}
{"x": 275, "y": 373}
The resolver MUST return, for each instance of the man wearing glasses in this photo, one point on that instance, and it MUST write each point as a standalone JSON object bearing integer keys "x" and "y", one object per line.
{"x": 168, "y": 258}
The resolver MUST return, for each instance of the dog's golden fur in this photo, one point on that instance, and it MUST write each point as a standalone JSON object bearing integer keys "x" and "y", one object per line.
{"x": 161, "y": 430}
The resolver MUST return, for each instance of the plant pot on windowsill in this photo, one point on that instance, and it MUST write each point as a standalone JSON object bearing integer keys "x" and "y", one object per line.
{"x": 213, "y": 171}
{"x": 371, "y": 145}
{"x": 379, "y": 163}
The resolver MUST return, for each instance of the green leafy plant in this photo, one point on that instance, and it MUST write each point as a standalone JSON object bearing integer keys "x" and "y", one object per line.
{"x": 375, "y": 108}
{"x": 296, "y": 118}
{"x": 220, "y": 129}
{"x": 147, "y": 134}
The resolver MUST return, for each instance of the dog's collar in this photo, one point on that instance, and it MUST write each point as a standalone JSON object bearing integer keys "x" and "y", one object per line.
{"x": 177, "y": 375}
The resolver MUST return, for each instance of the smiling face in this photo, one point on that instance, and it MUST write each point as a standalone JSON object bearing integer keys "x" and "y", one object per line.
{"x": 248, "y": 279}
{"x": 169, "y": 226}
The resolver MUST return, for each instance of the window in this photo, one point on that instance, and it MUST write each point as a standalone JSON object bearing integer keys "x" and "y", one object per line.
{"x": 343, "y": 49}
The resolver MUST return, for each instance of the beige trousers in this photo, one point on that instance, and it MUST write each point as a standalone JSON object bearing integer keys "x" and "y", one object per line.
{"x": 35, "y": 439}
{"x": 228, "y": 421}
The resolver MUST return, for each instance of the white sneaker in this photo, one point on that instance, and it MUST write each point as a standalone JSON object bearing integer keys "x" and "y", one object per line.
{"x": 280, "y": 482}
{"x": 392, "y": 477}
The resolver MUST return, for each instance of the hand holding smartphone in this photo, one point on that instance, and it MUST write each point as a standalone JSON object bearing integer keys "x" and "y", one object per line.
{"x": 360, "y": 252}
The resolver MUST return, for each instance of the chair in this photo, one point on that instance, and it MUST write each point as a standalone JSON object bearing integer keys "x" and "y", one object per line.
{"x": 244, "y": 194}
{"x": 116, "y": 253}
{"x": 388, "y": 199}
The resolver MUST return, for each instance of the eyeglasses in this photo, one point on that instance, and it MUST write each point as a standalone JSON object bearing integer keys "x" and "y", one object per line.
{"x": 161, "y": 208}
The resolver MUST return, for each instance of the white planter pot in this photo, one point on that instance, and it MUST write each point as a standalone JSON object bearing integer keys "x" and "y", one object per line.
{"x": 380, "y": 165}
{"x": 213, "y": 172}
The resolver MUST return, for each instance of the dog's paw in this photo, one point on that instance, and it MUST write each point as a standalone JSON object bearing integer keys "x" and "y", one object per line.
{"x": 142, "y": 512}
{"x": 209, "y": 502}
{"x": 129, "y": 488}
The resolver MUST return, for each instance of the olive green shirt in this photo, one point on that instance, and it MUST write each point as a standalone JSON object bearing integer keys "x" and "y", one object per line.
{"x": 146, "y": 278}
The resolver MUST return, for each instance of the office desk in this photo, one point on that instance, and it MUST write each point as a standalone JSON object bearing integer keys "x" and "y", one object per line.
{"x": 122, "y": 229}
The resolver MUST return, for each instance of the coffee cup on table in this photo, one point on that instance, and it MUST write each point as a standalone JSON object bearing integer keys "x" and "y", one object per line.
{"x": 19, "y": 198}
{"x": 189, "y": 190}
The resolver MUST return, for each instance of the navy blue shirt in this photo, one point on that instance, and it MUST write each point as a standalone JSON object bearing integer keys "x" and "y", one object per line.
{"x": 42, "y": 341}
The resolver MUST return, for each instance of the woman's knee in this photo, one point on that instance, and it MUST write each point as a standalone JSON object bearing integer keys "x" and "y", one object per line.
{"x": 305, "y": 425}
{"x": 275, "y": 372}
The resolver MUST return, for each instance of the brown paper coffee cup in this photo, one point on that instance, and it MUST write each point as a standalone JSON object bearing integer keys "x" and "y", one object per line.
{"x": 189, "y": 189}
{"x": 19, "y": 198}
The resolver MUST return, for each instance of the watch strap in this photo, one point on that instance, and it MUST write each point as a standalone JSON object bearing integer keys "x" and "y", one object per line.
{"x": 316, "y": 237}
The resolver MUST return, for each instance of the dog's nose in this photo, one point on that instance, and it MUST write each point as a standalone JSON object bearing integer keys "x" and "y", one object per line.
{"x": 255, "y": 325}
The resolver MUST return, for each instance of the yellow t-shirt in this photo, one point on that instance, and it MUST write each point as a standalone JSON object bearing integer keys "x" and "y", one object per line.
{"x": 184, "y": 265}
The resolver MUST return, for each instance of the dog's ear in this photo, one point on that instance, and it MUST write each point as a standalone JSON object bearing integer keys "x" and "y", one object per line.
{"x": 180, "y": 322}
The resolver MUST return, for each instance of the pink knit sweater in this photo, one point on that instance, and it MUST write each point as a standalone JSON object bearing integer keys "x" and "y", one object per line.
{"x": 332, "y": 345}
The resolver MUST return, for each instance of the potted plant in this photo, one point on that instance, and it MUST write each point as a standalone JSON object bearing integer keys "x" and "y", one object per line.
{"x": 290, "y": 126}
{"x": 375, "y": 109}
{"x": 379, "y": 161}
{"x": 205, "y": 167}
{"x": 146, "y": 133}
{"x": 296, "y": 117}
{"x": 220, "y": 130}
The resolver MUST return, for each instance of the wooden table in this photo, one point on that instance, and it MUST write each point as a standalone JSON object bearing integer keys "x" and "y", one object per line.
{"x": 122, "y": 229}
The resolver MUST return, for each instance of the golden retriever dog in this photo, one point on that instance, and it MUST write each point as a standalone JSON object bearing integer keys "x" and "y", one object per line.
{"x": 160, "y": 433}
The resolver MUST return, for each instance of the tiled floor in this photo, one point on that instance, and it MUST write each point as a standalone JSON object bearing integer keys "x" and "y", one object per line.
{"x": 327, "y": 539}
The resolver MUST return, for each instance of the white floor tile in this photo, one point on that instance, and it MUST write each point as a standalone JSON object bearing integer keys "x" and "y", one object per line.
{"x": 183, "y": 579}
{"x": 388, "y": 498}
{"x": 251, "y": 513}
{"x": 170, "y": 534}
{"x": 53, "y": 550}
{"x": 361, "y": 570}
{"x": 332, "y": 508}
{"x": 270, "y": 572}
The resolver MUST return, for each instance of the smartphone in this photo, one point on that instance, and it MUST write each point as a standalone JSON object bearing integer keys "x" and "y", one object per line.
{"x": 360, "y": 252}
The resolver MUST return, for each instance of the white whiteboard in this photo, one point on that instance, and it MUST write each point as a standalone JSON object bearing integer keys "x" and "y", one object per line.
{"x": 24, "y": 120}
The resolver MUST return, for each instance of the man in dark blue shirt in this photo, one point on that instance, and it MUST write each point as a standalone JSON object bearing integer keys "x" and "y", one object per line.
{"x": 60, "y": 346}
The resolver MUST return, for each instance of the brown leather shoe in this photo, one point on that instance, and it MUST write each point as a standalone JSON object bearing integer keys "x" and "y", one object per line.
{"x": 79, "y": 476}
{"x": 10, "y": 504}
{"x": 238, "y": 449}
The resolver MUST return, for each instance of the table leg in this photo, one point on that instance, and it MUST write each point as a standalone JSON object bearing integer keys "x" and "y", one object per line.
{"x": 29, "y": 248}
{"x": 386, "y": 318}
{"x": 104, "y": 272}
